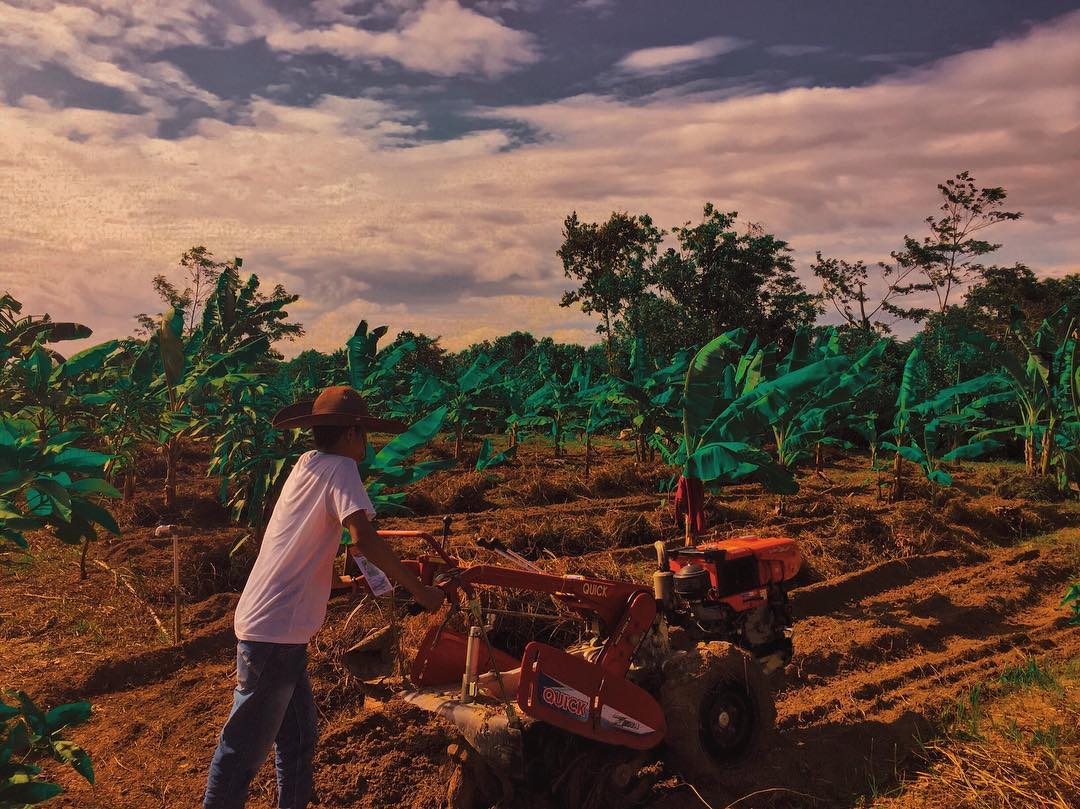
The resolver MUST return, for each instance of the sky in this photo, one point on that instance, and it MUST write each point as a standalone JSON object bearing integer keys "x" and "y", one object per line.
{"x": 411, "y": 161}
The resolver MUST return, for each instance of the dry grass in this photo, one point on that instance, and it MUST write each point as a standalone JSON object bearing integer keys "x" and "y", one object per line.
{"x": 1011, "y": 743}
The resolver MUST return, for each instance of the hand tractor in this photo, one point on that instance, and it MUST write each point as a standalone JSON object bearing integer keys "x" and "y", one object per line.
{"x": 684, "y": 664}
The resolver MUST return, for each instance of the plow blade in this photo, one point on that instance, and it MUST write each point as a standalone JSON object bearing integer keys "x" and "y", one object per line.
{"x": 484, "y": 727}
{"x": 441, "y": 659}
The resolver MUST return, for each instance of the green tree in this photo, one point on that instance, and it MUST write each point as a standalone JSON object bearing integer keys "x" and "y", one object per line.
{"x": 612, "y": 262}
{"x": 723, "y": 279}
{"x": 948, "y": 256}
{"x": 237, "y": 312}
{"x": 990, "y": 301}
{"x": 850, "y": 290}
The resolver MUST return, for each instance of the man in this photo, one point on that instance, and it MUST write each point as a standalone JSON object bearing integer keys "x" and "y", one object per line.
{"x": 284, "y": 600}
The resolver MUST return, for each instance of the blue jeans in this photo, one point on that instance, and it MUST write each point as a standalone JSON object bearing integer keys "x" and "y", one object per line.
{"x": 272, "y": 705}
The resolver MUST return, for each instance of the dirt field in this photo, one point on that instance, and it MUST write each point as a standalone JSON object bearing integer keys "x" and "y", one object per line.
{"x": 902, "y": 609}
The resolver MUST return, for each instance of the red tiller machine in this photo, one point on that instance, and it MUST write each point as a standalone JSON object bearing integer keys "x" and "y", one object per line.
{"x": 684, "y": 662}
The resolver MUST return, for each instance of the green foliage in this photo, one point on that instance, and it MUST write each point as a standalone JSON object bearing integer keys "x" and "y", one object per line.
{"x": 723, "y": 279}
{"x": 462, "y": 398}
{"x": 190, "y": 368}
{"x": 27, "y": 730}
{"x": 925, "y": 422}
{"x": 611, "y": 261}
{"x": 1029, "y": 673}
{"x": 821, "y": 414}
{"x": 489, "y": 459}
{"x": 251, "y": 457}
{"x": 127, "y": 413}
{"x": 368, "y": 369}
{"x": 964, "y": 717}
{"x": 1071, "y": 599}
{"x": 560, "y": 405}
{"x": 1040, "y": 382}
{"x": 21, "y": 334}
{"x": 387, "y": 469}
{"x": 46, "y": 481}
{"x": 728, "y": 410}
{"x": 650, "y": 397}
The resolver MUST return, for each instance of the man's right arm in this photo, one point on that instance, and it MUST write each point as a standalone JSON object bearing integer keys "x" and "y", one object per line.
{"x": 372, "y": 546}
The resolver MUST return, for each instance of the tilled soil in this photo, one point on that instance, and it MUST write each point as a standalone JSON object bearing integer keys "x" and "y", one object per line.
{"x": 880, "y": 650}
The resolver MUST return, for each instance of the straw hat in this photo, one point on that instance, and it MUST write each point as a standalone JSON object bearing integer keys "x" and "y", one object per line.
{"x": 338, "y": 406}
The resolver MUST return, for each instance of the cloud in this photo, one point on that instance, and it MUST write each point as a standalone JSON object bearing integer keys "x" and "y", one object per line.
{"x": 677, "y": 57}
{"x": 353, "y": 205}
{"x": 794, "y": 50}
{"x": 441, "y": 38}
{"x": 100, "y": 42}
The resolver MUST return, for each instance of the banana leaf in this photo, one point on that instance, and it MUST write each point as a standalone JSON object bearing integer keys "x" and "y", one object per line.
{"x": 488, "y": 459}
{"x": 968, "y": 452}
{"x": 703, "y": 376}
{"x": 402, "y": 446}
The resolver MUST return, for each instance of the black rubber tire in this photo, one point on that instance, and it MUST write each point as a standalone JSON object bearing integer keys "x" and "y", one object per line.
{"x": 718, "y": 707}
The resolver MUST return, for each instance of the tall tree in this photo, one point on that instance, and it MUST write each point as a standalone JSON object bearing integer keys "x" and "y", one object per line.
{"x": 612, "y": 261}
{"x": 724, "y": 279}
{"x": 862, "y": 303}
{"x": 948, "y": 256}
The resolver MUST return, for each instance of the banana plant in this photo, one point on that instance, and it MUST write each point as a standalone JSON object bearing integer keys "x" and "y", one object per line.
{"x": 556, "y": 404}
{"x": 866, "y": 426}
{"x": 1071, "y": 599}
{"x": 489, "y": 459}
{"x": 237, "y": 313}
{"x": 21, "y": 334}
{"x": 370, "y": 371}
{"x": 463, "y": 398}
{"x": 1037, "y": 383}
{"x": 513, "y": 395}
{"x": 1067, "y": 440}
{"x": 818, "y": 417}
{"x": 45, "y": 387}
{"x": 387, "y": 469}
{"x": 250, "y": 456}
{"x": 601, "y": 415}
{"x": 650, "y": 397}
{"x": 26, "y": 729}
{"x": 183, "y": 384}
{"x": 126, "y": 413}
{"x": 47, "y": 482}
{"x": 923, "y": 421}
{"x": 719, "y": 446}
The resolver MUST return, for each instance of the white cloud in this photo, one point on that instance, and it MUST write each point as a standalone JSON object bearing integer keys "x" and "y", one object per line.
{"x": 675, "y": 57}
{"x": 327, "y": 201}
{"x": 102, "y": 41}
{"x": 441, "y": 38}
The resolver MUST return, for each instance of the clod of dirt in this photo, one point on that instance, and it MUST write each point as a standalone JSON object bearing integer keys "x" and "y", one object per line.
{"x": 625, "y": 477}
{"x": 463, "y": 493}
{"x": 537, "y": 490}
{"x": 1019, "y": 484}
{"x": 391, "y": 755}
{"x": 621, "y": 530}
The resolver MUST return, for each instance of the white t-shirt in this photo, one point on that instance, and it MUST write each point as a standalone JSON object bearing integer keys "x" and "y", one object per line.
{"x": 285, "y": 598}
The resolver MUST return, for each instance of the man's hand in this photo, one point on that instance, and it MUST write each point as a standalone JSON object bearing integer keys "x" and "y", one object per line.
{"x": 379, "y": 554}
{"x": 430, "y": 598}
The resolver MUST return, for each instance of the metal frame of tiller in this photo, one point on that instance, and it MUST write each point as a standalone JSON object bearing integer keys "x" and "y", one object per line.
{"x": 588, "y": 696}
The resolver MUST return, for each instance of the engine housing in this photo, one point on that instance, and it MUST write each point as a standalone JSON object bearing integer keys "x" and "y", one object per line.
{"x": 735, "y": 590}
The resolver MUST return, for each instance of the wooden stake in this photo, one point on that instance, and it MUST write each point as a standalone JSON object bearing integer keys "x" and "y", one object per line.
{"x": 176, "y": 587}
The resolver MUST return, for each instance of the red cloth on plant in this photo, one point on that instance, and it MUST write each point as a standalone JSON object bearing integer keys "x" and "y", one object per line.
{"x": 689, "y": 503}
